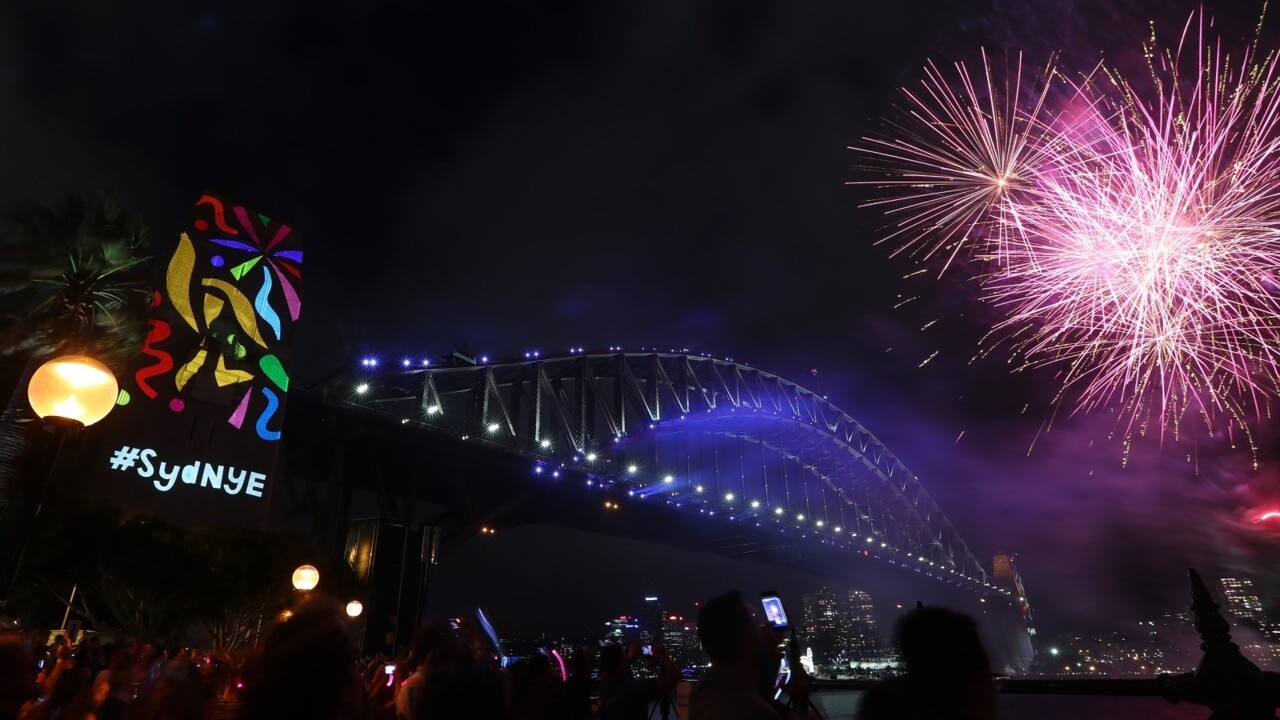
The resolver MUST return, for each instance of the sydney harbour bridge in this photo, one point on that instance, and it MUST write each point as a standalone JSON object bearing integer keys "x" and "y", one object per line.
{"x": 675, "y": 448}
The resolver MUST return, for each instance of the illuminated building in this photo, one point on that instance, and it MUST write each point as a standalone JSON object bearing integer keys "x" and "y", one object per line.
{"x": 680, "y": 639}
{"x": 839, "y": 627}
{"x": 651, "y": 617}
{"x": 623, "y": 629}
{"x": 1243, "y": 602}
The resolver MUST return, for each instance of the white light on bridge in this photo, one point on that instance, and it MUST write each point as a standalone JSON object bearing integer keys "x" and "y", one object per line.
{"x": 755, "y": 504}
{"x": 819, "y": 523}
{"x": 698, "y": 489}
{"x": 835, "y": 529}
{"x": 779, "y": 511}
{"x": 668, "y": 479}
{"x": 545, "y": 443}
{"x": 728, "y": 497}
{"x": 632, "y": 469}
{"x": 433, "y": 409}
{"x": 800, "y": 517}
{"x": 362, "y": 388}
{"x": 493, "y": 427}
{"x": 591, "y": 457}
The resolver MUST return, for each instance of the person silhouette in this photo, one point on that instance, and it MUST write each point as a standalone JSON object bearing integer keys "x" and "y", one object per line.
{"x": 948, "y": 673}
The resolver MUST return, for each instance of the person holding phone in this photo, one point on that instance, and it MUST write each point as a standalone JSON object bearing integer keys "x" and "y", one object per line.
{"x": 739, "y": 648}
{"x": 623, "y": 697}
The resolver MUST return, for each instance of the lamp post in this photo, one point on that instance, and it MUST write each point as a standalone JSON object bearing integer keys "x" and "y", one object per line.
{"x": 68, "y": 393}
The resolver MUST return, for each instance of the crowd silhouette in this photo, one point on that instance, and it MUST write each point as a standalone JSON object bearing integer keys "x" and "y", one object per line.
{"x": 308, "y": 666}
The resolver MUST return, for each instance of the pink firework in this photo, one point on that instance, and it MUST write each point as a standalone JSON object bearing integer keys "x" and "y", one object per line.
{"x": 1149, "y": 241}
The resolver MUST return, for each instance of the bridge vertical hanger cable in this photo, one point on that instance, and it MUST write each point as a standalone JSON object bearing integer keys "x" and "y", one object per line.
{"x": 786, "y": 489}
{"x": 715, "y": 460}
{"x": 688, "y": 468}
{"x": 764, "y": 475}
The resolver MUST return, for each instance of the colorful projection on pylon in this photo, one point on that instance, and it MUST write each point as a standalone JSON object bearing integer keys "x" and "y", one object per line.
{"x": 223, "y": 323}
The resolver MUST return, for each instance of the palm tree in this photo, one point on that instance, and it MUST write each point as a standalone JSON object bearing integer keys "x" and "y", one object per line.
{"x": 73, "y": 278}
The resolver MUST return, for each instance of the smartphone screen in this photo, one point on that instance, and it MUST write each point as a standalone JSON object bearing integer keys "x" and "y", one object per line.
{"x": 774, "y": 613}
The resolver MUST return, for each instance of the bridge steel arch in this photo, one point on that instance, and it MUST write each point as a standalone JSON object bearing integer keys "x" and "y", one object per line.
{"x": 597, "y": 412}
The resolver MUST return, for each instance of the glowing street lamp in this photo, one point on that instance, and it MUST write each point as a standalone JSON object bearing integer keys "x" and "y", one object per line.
{"x": 73, "y": 388}
{"x": 306, "y": 578}
{"x": 68, "y": 393}
{"x": 354, "y": 608}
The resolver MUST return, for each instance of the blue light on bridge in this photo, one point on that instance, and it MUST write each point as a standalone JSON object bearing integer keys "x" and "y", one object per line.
{"x": 618, "y": 472}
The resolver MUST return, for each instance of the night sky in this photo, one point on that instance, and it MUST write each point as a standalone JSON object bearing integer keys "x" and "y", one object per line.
{"x": 521, "y": 176}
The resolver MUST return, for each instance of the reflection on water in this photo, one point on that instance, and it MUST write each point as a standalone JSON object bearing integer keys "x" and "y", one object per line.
{"x": 842, "y": 704}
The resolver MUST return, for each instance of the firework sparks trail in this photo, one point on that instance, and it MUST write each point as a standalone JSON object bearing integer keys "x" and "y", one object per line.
{"x": 1139, "y": 247}
{"x": 951, "y": 169}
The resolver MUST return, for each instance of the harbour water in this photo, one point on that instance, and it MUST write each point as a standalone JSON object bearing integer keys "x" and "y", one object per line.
{"x": 843, "y": 704}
